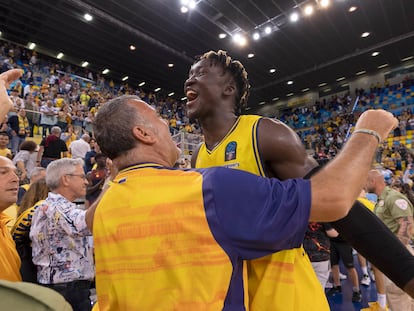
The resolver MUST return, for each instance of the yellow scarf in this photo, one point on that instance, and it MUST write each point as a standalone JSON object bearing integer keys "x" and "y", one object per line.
{"x": 23, "y": 125}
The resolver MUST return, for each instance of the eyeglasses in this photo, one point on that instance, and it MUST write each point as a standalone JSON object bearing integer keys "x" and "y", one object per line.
{"x": 83, "y": 176}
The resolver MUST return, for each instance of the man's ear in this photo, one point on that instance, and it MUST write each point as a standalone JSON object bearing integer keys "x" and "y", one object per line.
{"x": 144, "y": 134}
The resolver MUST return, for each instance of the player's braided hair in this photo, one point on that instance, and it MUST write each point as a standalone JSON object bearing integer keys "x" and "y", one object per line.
{"x": 238, "y": 72}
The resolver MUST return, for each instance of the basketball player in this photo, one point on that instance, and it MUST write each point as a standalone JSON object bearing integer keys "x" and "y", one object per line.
{"x": 217, "y": 89}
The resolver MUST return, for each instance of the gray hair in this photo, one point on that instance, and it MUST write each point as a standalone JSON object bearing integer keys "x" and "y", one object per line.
{"x": 86, "y": 137}
{"x": 55, "y": 130}
{"x": 58, "y": 168}
{"x": 113, "y": 126}
{"x": 37, "y": 170}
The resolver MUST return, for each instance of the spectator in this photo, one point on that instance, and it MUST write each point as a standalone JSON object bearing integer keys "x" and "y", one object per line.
{"x": 96, "y": 179}
{"x": 4, "y": 142}
{"x": 25, "y": 161}
{"x": 48, "y": 117}
{"x": 396, "y": 211}
{"x": 19, "y": 125}
{"x": 20, "y": 231}
{"x": 80, "y": 147}
{"x": 60, "y": 237}
{"x": 51, "y": 148}
{"x": 9, "y": 258}
{"x": 317, "y": 246}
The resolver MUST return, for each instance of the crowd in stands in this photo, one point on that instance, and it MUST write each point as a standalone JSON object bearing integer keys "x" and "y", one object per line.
{"x": 58, "y": 94}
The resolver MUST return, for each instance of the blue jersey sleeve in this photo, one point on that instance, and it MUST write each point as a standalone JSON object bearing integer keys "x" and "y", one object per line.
{"x": 252, "y": 216}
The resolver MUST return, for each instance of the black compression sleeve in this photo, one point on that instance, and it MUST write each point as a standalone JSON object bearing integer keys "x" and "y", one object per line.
{"x": 372, "y": 239}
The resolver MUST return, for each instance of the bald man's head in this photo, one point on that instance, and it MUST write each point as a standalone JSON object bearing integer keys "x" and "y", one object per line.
{"x": 375, "y": 182}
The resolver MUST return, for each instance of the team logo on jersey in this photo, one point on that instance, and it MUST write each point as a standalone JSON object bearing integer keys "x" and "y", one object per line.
{"x": 230, "y": 151}
{"x": 402, "y": 204}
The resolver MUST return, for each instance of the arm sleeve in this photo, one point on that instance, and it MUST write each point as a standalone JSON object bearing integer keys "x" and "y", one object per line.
{"x": 255, "y": 216}
{"x": 372, "y": 239}
{"x": 73, "y": 222}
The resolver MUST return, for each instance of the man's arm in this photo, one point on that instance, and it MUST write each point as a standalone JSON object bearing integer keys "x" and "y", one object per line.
{"x": 361, "y": 228}
{"x": 405, "y": 231}
{"x": 5, "y": 79}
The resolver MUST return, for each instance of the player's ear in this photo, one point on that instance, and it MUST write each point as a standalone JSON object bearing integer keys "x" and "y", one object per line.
{"x": 230, "y": 89}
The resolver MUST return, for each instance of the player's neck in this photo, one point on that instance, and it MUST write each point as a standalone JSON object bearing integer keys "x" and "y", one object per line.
{"x": 216, "y": 129}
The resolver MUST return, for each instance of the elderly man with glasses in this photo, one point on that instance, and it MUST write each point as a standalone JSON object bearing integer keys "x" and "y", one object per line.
{"x": 61, "y": 240}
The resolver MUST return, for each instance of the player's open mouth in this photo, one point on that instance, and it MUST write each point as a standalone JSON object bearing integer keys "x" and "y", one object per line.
{"x": 191, "y": 95}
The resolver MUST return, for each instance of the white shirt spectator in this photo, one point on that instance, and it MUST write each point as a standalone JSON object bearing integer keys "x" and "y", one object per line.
{"x": 80, "y": 147}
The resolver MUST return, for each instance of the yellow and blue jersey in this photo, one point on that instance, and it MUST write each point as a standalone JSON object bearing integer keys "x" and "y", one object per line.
{"x": 281, "y": 281}
{"x": 168, "y": 239}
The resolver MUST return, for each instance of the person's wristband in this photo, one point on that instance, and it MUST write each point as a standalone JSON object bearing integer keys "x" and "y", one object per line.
{"x": 369, "y": 132}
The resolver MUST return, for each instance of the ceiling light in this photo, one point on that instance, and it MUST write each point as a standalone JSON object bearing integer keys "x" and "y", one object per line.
{"x": 290, "y": 94}
{"x": 268, "y": 30}
{"x": 141, "y": 84}
{"x": 59, "y": 56}
{"x": 84, "y": 64}
{"x": 256, "y": 36}
{"x": 272, "y": 70}
{"x": 0, "y": 33}
{"x": 324, "y": 3}
{"x": 289, "y": 82}
{"x": 360, "y": 72}
{"x": 365, "y": 34}
{"x": 183, "y": 98}
{"x": 32, "y": 45}
{"x": 340, "y": 79}
{"x": 327, "y": 90}
{"x": 352, "y": 9}
{"x": 222, "y": 35}
{"x": 184, "y": 9}
{"x": 262, "y": 103}
{"x": 132, "y": 47}
{"x": 170, "y": 65}
{"x": 88, "y": 17}
{"x": 250, "y": 55}
{"x": 171, "y": 94}
{"x": 239, "y": 39}
{"x": 247, "y": 108}
{"x": 192, "y": 4}
{"x": 157, "y": 89}
{"x": 125, "y": 78}
{"x": 382, "y": 66}
{"x": 375, "y": 54}
{"x": 105, "y": 71}
{"x": 409, "y": 66}
{"x": 407, "y": 58}
{"x": 185, "y": 2}
{"x": 308, "y": 10}
{"x": 294, "y": 17}
{"x": 344, "y": 85}
{"x": 275, "y": 99}
{"x": 322, "y": 84}
{"x": 305, "y": 90}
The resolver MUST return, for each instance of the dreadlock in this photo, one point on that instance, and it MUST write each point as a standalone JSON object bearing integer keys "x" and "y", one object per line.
{"x": 238, "y": 72}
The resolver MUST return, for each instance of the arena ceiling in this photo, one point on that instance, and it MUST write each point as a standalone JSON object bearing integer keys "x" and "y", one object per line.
{"x": 316, "y": 49}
